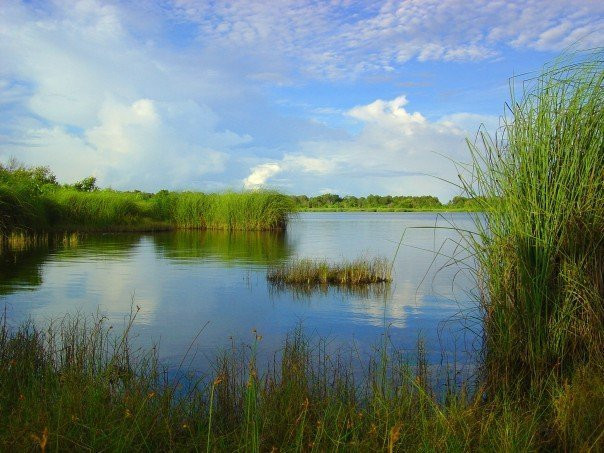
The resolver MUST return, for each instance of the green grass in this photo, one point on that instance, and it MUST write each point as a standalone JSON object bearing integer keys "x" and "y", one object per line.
{"x": 541, "y": 244}
{"x": 321, "y": 272}
{"x": 102, "y": 210}
{"x": 260, "y": 210}
{"x": 80, "y": 385}
{"x": 27, "y": 207}
{"x": 444, "y": 208}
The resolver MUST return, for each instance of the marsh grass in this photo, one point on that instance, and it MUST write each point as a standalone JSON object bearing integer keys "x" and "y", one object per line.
{"x": 306, "y": 271}
{"x": 305, "y": 291}
{"x": 79, "y": 384}
{"x": 540, "y": 244}
{"x": 258, "y": 210}
{"x": 66, "y": 209}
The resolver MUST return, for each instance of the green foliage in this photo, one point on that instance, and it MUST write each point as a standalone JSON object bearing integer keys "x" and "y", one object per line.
{"x": 333, "y": 202}
{"x": 541, "y": 243}
{"x": 99, "y": 209}
{"x": 259, "y": 210}
{"x": 466, "y": 204}
{"x": 320, "y": 272}
{"x": 22, "y": 205}
{"x": 31, "y": 200}
{"x": 86, "y": 185}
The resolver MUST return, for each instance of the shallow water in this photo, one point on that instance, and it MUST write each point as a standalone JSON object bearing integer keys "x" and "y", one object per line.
{"x": 188, "y": 279}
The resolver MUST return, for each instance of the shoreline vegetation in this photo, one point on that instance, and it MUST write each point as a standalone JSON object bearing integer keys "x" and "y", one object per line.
{"x": 32, "y": 201}
{"x": 78, "y": 384}
{"x": 539, "y": 282}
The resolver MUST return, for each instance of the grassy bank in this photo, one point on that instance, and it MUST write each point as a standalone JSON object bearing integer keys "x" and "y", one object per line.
{"x": 321, "y": 272}
{"x": 80, "y": 386}
{"x": 32, "y": 201}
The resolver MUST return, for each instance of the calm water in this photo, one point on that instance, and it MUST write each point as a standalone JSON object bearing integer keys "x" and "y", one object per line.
{"x": 183, "y": 280}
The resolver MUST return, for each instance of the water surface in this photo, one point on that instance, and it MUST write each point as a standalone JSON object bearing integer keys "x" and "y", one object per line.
{"x": 188, "y": 279}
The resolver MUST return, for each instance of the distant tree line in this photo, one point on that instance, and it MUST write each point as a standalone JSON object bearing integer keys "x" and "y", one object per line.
{"x": 382, "y": 202}
{"x": 38, "y": 179}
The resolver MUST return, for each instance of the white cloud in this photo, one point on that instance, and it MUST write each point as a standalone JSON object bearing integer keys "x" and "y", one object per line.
{"x": 111, "y": 89}
{"x": 346, "y": 39}
{"x": 292, "y": 163}
{"x": 90, "y": 98}
{"x": 260, "y": 174}
{"x": 145, "y": 145}
{"x": 397, "y": 152}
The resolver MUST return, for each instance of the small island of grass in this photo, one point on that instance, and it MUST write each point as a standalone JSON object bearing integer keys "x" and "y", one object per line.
{"x": 307, "y": 271}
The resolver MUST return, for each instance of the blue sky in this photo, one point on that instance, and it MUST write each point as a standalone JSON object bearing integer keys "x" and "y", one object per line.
{"x": 354, "y": 97}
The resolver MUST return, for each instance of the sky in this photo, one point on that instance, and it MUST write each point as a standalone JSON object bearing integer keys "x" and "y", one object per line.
{"x": 303, "y": 96}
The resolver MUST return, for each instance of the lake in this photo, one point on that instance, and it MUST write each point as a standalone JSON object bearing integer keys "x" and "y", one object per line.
{"x": 185, "y": 280}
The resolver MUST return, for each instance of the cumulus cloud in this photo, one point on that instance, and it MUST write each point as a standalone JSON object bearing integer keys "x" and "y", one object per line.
{"x": 397, "y": 151}
{"x": 140, "y": 145}
{"x": 260, "y": 174}
{"x": 81, "y": 94}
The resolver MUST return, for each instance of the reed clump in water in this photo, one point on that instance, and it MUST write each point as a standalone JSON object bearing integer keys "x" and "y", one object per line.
{"x": 258, "y": 210}
{"x": 541, "y": 240}
{"x": 306, "y": 271}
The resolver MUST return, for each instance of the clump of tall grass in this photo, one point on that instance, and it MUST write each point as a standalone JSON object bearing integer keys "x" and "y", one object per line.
{"x": 20, "y": 210}
{"x": 541, "y": 240}
{"x": 258, "y": 210}
{"x": 306, "y": 291}
{"x": 321, "y": 272}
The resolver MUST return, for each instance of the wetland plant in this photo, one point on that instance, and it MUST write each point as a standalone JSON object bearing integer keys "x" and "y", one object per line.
{"x": 540, "y": 245}
{"x": 306, "y": 271}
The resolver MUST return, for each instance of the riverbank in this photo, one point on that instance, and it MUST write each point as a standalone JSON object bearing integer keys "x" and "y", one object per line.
{"x": 383, "y": 203}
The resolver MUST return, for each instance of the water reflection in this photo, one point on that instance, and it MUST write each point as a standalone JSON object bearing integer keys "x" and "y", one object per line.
{"x": 232, "y": 247}
{"x": 302, "y": 291}
{"x": 21, "y": 269}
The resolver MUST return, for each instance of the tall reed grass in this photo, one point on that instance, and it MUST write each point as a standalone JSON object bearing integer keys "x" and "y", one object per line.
{"x": 259, "y": 210}
{"x": 541, "y": 240}
{"x": 67, "y": 209}
{"x": 97, "y": 210}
